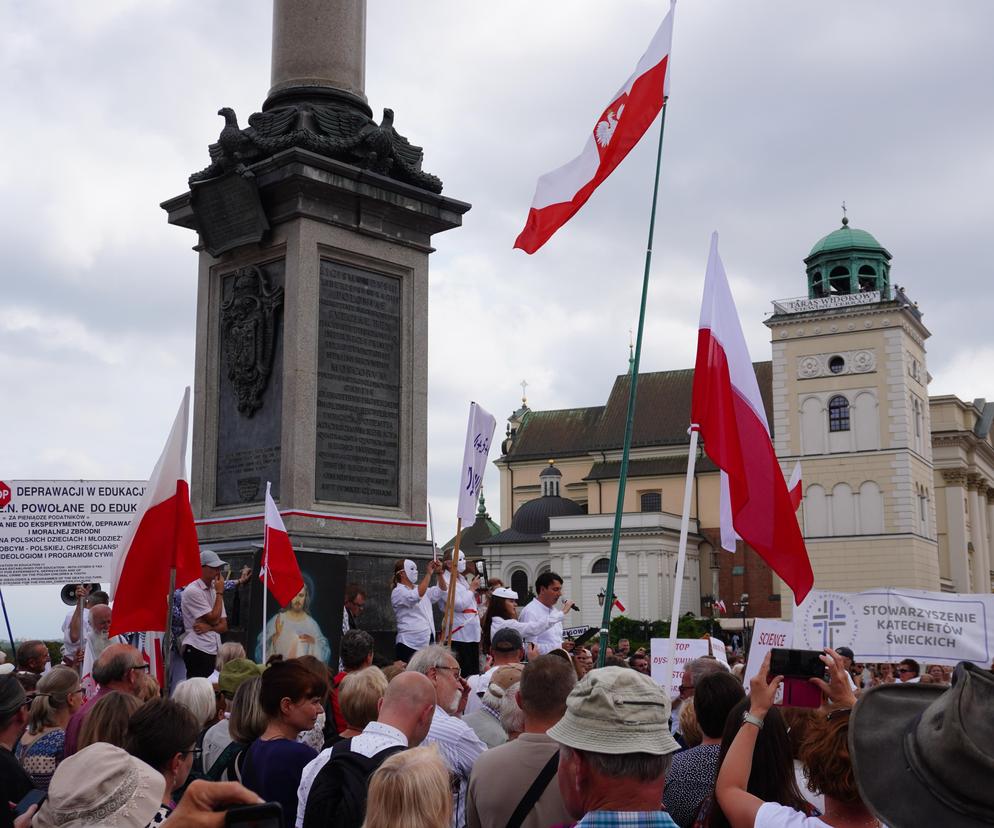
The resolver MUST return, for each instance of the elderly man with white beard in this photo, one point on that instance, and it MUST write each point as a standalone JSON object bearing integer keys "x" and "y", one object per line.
{"x": 456, "y": 740}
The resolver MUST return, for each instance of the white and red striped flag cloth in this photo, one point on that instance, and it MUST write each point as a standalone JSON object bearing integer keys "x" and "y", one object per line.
{"x": 619, "y": 127}
{"x": 280, "y": 571}
{"x": 161, "y": 537}
{"x": 728, "y": 408}
{"x": 794, "y": 486}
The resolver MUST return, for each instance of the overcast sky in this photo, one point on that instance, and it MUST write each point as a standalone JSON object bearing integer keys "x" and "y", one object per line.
{"x": 779, "y": 111}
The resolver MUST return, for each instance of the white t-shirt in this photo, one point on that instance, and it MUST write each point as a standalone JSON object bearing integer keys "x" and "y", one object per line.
{"x": 198, "y": 601}
{"x": 775, "y": 815}
{"x": 70, "y": 648}
{"x": 415, "y": 623}
{"x": 466, "y": 619}
{"x": 531, "y": 630}
{"x": 477, "y": 687}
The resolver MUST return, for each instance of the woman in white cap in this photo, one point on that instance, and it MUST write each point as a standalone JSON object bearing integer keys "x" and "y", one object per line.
{"x": 412, "y": 602}
{"x": 503, "y": 612}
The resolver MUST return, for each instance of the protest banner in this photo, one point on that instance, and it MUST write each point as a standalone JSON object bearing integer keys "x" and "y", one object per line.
{"x": 63, "y": 531}
{"x": 766, "y": 634}
{"x": 889, "y": 624}
{"x": 687, "y": 649}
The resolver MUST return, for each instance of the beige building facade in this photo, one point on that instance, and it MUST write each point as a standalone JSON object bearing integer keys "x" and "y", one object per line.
{"x": 898, "y": 487}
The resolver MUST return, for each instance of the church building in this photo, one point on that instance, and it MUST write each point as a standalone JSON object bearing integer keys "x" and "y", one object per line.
{"x": 897, "y": 485}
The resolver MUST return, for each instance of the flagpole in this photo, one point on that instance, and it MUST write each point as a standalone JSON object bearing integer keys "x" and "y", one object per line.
{"x": 681, "y": 557}
{"x": 265, "y": 581}
{"x": 633, "y": 387}
{"x": 167, "y": 636}
{"x": 448, "y": 621}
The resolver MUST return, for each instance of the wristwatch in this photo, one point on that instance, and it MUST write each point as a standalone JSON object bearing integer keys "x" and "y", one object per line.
{"x": 748, "y": 718}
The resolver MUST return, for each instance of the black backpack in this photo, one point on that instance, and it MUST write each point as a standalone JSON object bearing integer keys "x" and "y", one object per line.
{"x": 337, "y": 798}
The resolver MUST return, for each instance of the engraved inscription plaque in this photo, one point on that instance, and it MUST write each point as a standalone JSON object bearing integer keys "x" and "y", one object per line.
{"x": 248, "y": 447}
{"x": 358, "y": 387}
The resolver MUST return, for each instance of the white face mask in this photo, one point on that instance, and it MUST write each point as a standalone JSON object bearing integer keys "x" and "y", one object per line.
{"x": 461, "y": 566}
{"x": 411, "y": 571}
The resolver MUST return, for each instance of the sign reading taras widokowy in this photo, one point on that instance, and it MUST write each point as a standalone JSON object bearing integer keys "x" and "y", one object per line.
{"x": 890, "y": 624}
{"x": 63, "y": 531}
{"x": 687, "y": 649}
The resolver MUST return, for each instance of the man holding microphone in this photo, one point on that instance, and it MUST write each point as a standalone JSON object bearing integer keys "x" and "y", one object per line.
{"x": 548, "y": 591}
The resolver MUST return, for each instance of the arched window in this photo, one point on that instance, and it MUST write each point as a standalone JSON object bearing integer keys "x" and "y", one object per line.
{"x": 839, "y": 280}
{"x": 652, "y": 502}
{"x": 817, "y": 284}
{"x": 519, "y": 583}
{"x": 838, "y": 414}
{"x": 867, "y": 279}
{"x": 601, "y": 566}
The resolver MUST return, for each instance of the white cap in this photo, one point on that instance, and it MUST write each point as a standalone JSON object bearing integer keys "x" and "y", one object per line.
{"x": 504, "y": 592}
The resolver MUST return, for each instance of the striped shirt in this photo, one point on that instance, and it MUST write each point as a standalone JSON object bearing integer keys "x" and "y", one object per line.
{"x": 460, "y": 748}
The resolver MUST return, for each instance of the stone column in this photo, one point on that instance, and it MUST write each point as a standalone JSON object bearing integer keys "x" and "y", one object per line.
{"x": 981, "y": 567}
{"x": 955, "y": 480}
{"x": 990, "y": 523}
{"x": 319, "y": 43}
{"x": 653, "y": 610}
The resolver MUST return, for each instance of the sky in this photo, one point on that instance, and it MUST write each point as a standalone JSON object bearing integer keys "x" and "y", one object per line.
{"x": 779, "y": 112}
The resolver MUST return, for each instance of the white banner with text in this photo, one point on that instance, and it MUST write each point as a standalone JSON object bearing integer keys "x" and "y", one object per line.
{"x": 887, "y": 625}
{"x": 63, "y": 531}
{"x": 687, "y": 649}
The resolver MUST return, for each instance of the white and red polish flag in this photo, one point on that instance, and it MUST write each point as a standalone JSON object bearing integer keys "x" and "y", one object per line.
{"x": 728, "y": 408}
{"x": 619, "y": 127}
{"x": 161, "y": 537}
{"x": 280, "y": 571}
{"x": 794, "y": 486}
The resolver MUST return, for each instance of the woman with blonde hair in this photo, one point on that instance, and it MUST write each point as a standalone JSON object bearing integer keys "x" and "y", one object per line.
{"x": 43, "y": 746}
{"x": 359, "y": 696}
{"x": 107, "y": 720}
{"x": 411, "y": 789}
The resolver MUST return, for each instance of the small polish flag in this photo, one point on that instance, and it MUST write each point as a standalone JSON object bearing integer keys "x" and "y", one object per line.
{"x": 280, "y": 572}
{"x": 794, "y": 485}
{"x": 621, "y": 124}
{"x": 150, "y": 646}
{"x": 728, "y": 408}
{"x": 619, "y": 605}
{"x": 162, "y": 536}
{"x": 720, "y": 606}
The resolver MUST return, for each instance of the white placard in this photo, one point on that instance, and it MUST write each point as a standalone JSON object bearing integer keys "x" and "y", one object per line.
{"x": 766, "y": 634}
{"x": 887, "y": 624}
{"x": 479, "y": 433}
{"x": 63, "y": 531}
{"x": 687, "y": 649}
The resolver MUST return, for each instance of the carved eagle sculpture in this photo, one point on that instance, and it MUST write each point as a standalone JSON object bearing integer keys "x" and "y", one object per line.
{"x": 236, "y": 148}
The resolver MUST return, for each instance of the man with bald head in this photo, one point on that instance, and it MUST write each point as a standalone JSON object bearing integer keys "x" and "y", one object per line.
{"x": 405, "y": 714}
{"x": 117, "y": 668}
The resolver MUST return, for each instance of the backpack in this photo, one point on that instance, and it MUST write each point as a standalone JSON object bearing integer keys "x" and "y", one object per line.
{"x": 337, "y": 798}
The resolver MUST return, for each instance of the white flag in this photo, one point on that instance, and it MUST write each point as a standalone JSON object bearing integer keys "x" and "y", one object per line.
{"x": 479, "y": 434}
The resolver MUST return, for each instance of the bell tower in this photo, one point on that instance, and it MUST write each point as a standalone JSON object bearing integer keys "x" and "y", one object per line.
{"x": 850, "y": 402}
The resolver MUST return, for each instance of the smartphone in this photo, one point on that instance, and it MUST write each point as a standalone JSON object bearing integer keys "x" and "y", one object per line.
{"x": 34, "y": 797}
{"x": 267, "y": 815}
{"x": 796, "y": 667}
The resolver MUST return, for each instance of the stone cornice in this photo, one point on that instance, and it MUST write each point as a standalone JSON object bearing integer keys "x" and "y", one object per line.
{"x": 954, "y": 477}
{"x": 822, "y": 318}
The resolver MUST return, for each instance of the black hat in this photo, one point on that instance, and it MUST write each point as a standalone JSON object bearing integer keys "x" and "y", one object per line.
{"x": 506, "y": 640}
{"x": 923, "y": 754}
{"x": 846, "y": 653}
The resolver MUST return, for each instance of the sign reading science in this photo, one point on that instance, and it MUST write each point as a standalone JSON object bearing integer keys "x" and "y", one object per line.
{"x": 63, "y": 531}
{"x": 891, "y": 624}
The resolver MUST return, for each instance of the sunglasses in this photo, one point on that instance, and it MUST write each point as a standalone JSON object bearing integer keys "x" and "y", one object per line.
{"x": 904, "y": 670}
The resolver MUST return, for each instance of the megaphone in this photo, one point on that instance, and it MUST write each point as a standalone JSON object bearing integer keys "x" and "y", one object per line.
{"x": 68, "y": 594}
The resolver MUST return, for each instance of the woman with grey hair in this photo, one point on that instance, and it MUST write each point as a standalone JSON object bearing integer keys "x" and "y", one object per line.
{"x": 486, "y": 721}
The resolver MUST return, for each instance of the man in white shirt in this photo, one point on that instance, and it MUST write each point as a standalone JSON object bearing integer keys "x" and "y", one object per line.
{"x": 76, "y": 627}
{"x": 548, "y": 591}
{"x": 506, "y": 648}
{"x": 456, "y": 740}
{"x": 204, "y": 617}
{"x": 405, "y": 715}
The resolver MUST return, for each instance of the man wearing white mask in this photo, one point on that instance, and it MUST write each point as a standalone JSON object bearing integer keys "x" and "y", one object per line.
{"x": 465, "y": 619}
{"x": 412, "y": 600}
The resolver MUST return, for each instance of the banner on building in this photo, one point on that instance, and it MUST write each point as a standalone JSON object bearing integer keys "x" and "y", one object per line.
{"x": 887, "y": 625}
{"x": 687, "y": 649}
{"x": 63, "y": 531}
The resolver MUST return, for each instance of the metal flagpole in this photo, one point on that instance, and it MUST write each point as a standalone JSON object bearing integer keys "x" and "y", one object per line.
{"x": 633, "y": 383}
{"x": 265, "y": 579}
{"x": 681, "y": 556}
{"x": 167, "y": 636}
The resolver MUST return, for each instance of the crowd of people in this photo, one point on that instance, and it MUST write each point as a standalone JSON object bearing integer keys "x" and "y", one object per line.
{"x": 510, "y": 724}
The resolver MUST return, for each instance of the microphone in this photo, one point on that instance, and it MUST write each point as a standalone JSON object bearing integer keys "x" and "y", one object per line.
{"x": 575, "y": 608}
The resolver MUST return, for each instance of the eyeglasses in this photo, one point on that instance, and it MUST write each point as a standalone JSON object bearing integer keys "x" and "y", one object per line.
{"x": 687, "y": 688}
{"x": 140, "y": 667}
{"x": 455, "y": 669}
{"x": 195, "y": 752}
{"x": 904, "y": 670}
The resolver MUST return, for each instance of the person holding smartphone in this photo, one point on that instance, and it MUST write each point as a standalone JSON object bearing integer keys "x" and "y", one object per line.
{"x": 825, "y": 753}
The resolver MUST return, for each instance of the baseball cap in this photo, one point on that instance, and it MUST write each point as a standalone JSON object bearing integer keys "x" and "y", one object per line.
{"x": 504, "y": 592}
{"x": 845, "y": 652}
{"x": 506, "y": 640}
{"x": 208, "y": 557}
{"x": 616, "y": 710}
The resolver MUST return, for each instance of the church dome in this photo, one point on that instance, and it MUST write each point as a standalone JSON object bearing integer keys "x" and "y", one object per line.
{"x": 846, "y": 238}
{"x": 532, "y": 518}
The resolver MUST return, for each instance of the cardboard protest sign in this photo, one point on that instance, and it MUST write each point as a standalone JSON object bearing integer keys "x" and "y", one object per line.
{"x": 890, "y": 624}
{"x": 766, "y": 634}
{"x": 687, "y": 649}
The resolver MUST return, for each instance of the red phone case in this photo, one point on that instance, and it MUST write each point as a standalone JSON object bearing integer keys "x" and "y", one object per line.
{"x": 799, "y": 692}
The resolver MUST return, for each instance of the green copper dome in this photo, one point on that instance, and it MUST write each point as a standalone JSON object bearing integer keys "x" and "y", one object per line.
{"x": 846, "y": 238}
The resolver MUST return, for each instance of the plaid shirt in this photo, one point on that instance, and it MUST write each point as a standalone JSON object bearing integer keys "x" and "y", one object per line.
{"x": 626, "y": 819}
